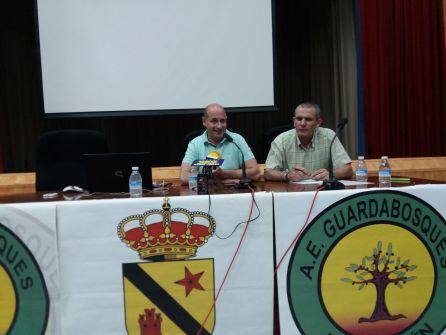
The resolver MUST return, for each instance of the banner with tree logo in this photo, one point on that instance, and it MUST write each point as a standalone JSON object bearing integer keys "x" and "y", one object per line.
{"x": 368, "y": 263}
{"x": 29, "y": 277}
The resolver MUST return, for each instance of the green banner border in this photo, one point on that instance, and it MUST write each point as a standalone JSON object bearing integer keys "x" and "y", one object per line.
{"x": 32, "y": 310}
{"x": 312, "y": 314}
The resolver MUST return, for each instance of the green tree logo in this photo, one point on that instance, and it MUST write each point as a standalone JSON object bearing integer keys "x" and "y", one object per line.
{"x": 380, "y": 270}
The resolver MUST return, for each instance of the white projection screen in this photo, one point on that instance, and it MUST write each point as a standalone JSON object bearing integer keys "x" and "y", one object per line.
{"x": 155, "y": 56}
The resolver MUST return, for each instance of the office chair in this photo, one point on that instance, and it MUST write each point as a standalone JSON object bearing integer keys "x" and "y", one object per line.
{"x": 190, "y": 136}
{"x": 60, "y": 157}
{"x": 270, "y": 136}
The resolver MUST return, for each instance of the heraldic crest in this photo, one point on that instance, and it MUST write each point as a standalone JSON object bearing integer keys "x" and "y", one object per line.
{"x": 168, "y": 234}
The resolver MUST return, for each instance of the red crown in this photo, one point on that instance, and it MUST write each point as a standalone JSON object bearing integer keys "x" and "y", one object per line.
{"x": 169, "y": 233}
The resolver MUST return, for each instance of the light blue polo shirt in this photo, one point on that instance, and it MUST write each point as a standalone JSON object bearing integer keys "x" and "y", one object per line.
{"x": 200, "y": 147}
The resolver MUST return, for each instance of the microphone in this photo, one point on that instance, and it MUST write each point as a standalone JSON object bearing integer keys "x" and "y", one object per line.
{"x": 332, "y": 183}
{"x": 212, "y": 161}
{"x": 244, "y": 182}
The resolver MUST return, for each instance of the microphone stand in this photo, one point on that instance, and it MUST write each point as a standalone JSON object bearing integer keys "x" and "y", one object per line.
{"x": 203, "y": 180}
{"x": 244, "y": 182}
{"x": 332, "y": 183}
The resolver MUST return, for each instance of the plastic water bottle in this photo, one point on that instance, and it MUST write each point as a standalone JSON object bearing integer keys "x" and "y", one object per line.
{"x": 193, "y": 178}
{"x": 135, "y": 183}
{"x": 361, "y": 169}
{"x": 384, "y": 172}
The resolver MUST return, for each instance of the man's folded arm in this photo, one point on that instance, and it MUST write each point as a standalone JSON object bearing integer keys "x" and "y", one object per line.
{"x": 273, "y": 175}
{"x": 344, "y": 172}
{"x": 252, "y": 171}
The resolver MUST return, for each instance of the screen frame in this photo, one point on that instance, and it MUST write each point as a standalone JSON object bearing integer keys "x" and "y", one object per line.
{"x": 152, "y": 112}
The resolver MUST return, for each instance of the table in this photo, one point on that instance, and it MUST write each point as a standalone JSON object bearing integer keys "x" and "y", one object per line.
{"x": 85, "y": 264}
{"x": 28, "y": 194}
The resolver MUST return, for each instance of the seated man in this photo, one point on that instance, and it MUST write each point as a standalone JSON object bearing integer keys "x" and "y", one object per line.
{"x": 213, "y": 139}
{"x": 302, "y": 153}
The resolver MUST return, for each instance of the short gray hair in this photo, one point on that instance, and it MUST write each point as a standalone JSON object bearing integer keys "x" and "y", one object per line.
{"x": 308, "y": 105}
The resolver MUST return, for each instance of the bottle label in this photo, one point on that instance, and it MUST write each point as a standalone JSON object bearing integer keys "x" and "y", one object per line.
{"x": 384, "y": 173}
{"x": 135, "y": 184}
{"x": 361, "y": 172}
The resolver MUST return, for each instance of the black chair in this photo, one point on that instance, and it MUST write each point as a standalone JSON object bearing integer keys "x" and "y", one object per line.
{"x": 190, "y": 136}
{"x": 60, "y": 157}
{"x": 270, "y": 136}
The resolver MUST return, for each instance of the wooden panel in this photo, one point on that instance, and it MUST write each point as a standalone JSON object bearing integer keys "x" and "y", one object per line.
{"x": 433, "y": 168}
{"x": 17, "y": 179}
{"x": 169, "y": 173}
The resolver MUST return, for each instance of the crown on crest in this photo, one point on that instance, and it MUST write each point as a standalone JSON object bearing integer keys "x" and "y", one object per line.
{"x": 168, "y": 233}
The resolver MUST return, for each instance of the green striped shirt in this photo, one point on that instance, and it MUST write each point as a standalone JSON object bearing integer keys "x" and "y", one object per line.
{"x": 286, "y": 151}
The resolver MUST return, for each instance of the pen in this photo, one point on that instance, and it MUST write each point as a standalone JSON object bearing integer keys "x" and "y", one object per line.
{"x": 400, "y": 180}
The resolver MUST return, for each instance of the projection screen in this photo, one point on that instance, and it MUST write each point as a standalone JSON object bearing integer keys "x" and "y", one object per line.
{"x": 154, "y": 56}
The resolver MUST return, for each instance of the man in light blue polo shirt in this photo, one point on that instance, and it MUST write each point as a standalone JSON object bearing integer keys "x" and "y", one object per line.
{"x": 213, "y": 139}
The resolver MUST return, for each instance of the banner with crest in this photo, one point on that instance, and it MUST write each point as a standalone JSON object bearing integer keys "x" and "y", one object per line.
{"x": 29, "y": 277}
{"x": 153, "y": 266}
{"x": 368, "y": 263}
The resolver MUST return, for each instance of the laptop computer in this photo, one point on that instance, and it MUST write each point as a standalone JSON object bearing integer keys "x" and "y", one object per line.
{"x": 110, "y": 172}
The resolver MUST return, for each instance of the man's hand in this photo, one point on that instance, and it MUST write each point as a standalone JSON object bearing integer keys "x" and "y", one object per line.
{"x": 321, "y": 174}
{"x": 298, "y": 173}
{"x": 218, "y": 173}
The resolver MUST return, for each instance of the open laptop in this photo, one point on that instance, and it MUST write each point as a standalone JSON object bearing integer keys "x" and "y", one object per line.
{"x": 110, "y": 172}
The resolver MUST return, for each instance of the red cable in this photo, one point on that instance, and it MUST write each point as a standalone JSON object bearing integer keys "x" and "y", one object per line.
{"x": 300, "y": 231}
{"x": 230, "y": 264}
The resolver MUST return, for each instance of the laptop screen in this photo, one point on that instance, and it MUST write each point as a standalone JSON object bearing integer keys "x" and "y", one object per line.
{"x": 110, "y": 172}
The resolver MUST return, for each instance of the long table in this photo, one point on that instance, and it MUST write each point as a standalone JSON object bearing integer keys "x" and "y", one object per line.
{"x": 92, "y": 266}
{"x": 27, "y": 193}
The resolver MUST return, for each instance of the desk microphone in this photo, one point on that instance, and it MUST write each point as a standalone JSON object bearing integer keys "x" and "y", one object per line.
{"x": 332, "y": 183}
{"x": 244, "y": 182}
{"x": 206, "y": 166}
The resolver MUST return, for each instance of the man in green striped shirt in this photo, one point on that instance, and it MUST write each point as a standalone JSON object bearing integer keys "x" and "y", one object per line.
{"x": 302, "y": 153}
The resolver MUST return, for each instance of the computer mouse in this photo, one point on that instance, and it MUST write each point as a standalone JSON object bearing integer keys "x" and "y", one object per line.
{"x": 73, "y": 189}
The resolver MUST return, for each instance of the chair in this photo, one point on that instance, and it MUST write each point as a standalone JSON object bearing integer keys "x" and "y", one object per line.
{"x": 270, "y": 136}
{"x": 190, "y": 136}
{"x": 60, "y": 157}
